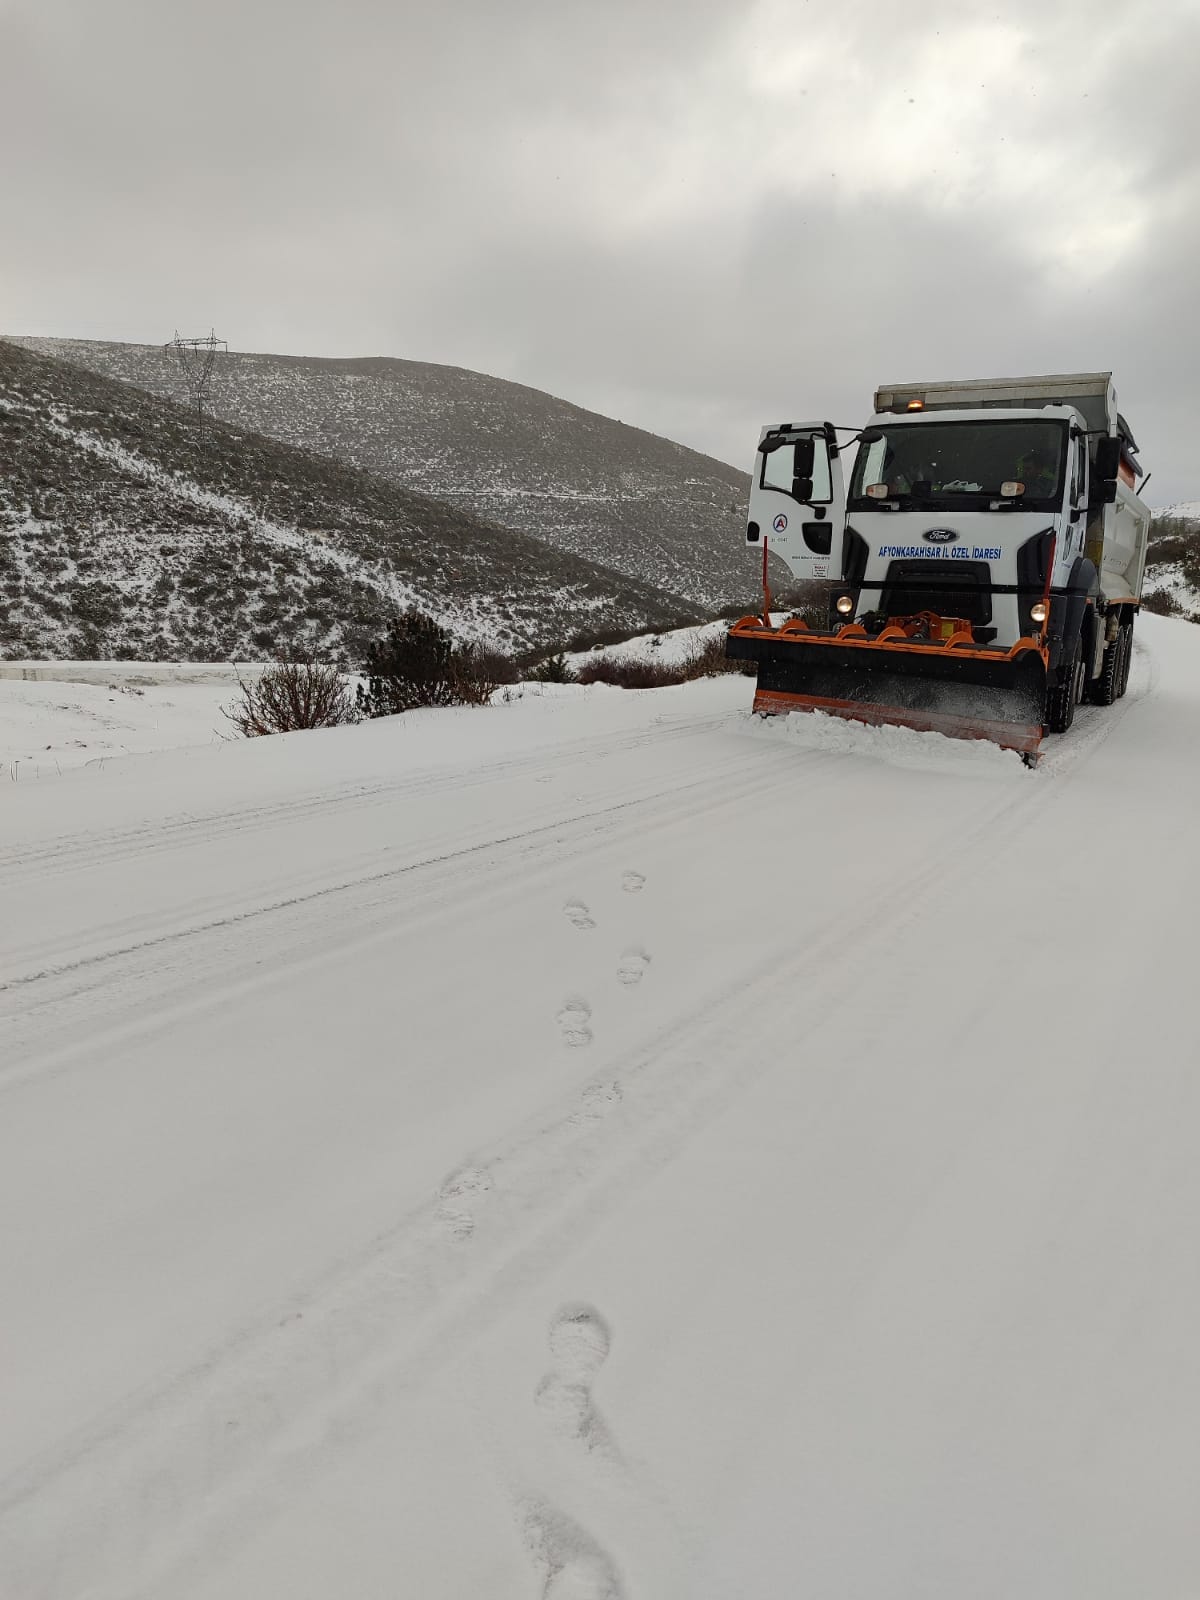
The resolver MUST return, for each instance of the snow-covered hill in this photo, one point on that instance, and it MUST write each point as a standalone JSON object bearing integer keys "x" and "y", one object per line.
{"x": 127, "y": 529}
{"x": 606, "y": 1148}
{"x": 582, "y": 483}
{"x": 1173, "y": 562}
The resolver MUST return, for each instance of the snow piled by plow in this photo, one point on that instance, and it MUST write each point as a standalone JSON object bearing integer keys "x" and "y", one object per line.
{"x": 606, "y": 1148}
{"x": 897, "y": 746}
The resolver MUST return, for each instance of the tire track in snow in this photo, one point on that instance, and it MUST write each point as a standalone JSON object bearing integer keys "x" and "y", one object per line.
{"x": 315, "y": 1378}
{"x": 224, "y": 951}
{"x": 66, "y": 853}
{"x": 1095, "y": 725}
{"x": 449, "y": 857}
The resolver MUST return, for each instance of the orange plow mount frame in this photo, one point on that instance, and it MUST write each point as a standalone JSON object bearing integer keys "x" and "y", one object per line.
{"x": 940, "y": 683}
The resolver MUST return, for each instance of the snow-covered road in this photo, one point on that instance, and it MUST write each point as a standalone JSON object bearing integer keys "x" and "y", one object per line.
{"x": 605, "y": 1146}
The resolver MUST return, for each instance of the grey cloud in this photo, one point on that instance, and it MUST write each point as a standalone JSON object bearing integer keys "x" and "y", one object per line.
{"x": 594, "y": 198}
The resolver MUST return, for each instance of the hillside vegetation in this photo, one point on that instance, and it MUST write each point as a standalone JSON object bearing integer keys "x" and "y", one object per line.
{"x": 128, "y": 530}
{"x": 1173, "y": 563}
{"x": 579, "y": 482}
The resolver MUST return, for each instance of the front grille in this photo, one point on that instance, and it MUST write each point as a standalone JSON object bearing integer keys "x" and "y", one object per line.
{"x": 951, "y": 588}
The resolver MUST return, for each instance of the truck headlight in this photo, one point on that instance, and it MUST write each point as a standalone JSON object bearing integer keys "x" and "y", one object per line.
{"x": 1039, "y": 611}
{"x": 845, "y": 604}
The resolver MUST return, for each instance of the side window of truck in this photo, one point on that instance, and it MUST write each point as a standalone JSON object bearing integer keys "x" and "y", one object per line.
{"x": 779, "y": 469}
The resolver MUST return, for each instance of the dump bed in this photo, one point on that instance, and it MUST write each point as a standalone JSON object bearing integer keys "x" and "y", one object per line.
{"x": 1117, "y": 537}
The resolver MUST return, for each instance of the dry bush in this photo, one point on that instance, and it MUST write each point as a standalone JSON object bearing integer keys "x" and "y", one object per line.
{"x": 290, "y": 695}
{"x": 630, "y": 673}
{"x": 706, "y": 660}
{"x": 477, "y": 671}
{"x": 709, "y": 658}
{"x": 810, "y": 601}
{"x": 1162, "y": 602}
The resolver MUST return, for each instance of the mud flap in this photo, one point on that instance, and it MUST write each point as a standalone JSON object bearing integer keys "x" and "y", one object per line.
{"x": 962, "y": 692}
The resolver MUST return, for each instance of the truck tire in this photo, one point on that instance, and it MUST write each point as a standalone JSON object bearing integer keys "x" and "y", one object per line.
{"x": 1126, "y": 658}
{"x": 1065, "y": 695}
{"x": 1104, "y": 689}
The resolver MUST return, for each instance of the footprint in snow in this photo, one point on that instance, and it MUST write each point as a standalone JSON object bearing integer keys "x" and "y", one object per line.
{"x": 574, "y": 1565}
{"x": 573, "y": 1019}
{"x": 633, "y": 882}
{"x": 578, "y": 915}
{"x": 579, "y": 1344}
{"x": 457, "y": 1198}
{"x": 599, "y": 1099}
{"x": 631, "y": 968}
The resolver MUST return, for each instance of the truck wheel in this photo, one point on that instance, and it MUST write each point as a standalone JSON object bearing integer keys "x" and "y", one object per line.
{"x": 1064, "y": 697}
{"x": 1104, "y": 690}
{"x": 1126, "y": 658}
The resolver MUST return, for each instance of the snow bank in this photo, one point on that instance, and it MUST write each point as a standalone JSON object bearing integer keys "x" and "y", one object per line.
{"x": 64, "y": 715}
{"x": 672, "y": 648}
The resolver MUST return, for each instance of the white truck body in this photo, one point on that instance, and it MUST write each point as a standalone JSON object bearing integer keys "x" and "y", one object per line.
{"x": 994, "y": 515}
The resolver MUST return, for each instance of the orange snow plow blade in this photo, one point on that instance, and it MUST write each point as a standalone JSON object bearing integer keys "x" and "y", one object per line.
{"x": 926, "y": 673}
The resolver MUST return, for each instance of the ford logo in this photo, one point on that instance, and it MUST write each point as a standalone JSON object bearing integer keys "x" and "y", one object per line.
{"x": 940, "y": 535}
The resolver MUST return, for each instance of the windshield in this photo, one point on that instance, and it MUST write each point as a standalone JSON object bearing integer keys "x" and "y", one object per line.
{"x": 924, "y": 464}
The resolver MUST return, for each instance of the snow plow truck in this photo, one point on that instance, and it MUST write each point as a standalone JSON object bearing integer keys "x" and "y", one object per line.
{"x": 979, "y": 574}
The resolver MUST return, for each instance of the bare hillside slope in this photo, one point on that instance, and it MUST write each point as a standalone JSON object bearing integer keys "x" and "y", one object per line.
{"x": 127, "y": 530}
{"x": 577, "y": 481}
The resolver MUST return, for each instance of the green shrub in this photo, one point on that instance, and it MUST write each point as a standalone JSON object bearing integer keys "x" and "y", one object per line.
{"x": 418, "y": 663}
{"x": 554, "y": 669}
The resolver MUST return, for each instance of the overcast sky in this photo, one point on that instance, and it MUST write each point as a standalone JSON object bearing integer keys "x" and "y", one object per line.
{"x": 694, "y": 215}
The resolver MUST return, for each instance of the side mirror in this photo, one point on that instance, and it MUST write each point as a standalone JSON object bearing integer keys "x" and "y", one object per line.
{"x": 806, "y": 451}
{"x": 870, "y": 436}
{"x": 1108, "y": 457}
{"x": 802, "y": 488}
{"x": 1101, "y": 491}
